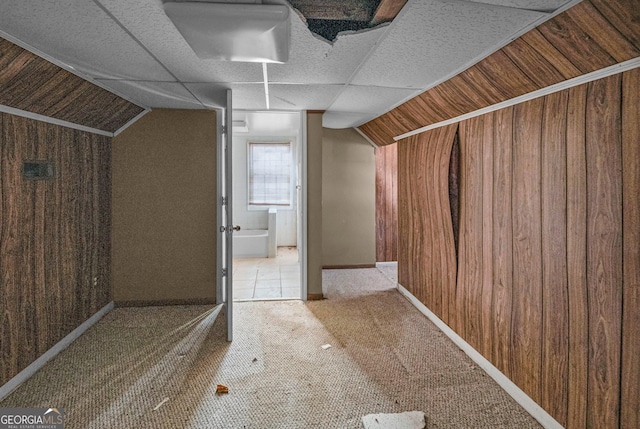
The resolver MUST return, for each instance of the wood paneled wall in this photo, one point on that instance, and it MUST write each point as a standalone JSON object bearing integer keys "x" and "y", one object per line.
{"x": 591, "y": 35}
{"x": 33, "y": 84}
{"x": 548, "y": 272}
{"x": 54, "y": 237}
{"x": 387, "y": 203}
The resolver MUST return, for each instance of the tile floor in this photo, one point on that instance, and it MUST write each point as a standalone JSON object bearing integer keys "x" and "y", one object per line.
{"x": 267, "y": 278}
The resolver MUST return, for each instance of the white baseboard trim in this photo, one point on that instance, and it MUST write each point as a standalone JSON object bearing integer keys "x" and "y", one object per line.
{"x": 26, "y": 373}
{"x": 536, "y": 411}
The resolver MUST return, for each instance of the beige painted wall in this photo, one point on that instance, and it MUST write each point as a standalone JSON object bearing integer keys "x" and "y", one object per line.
{"x": 164, "y": 208}
{"x": 314, "y": 205}
{"x": 348, "y": 199}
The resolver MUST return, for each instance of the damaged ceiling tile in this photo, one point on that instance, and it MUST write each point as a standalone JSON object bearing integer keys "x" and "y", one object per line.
{"x": 327, "y": 18}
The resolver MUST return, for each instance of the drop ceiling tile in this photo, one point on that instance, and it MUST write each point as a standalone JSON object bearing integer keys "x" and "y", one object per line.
{"x": 433, "y": 39}
{"x": 539, "y": 5}
{"x": 313, "y": 60}
{"x": 169, "y": 95}
{"x": 146, "y": 20}
{"x": 340, "y": 120}
{"x": 369, "y": 99}
{"x": 79, "y": 34}
{"x": 302, "y": 97}
{"x": 246, "y": 96}
{"x": 211, "y": 95}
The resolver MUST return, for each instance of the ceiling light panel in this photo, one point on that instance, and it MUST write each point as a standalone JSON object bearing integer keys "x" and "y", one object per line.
{"x": 148, "y": 22}
{"x": 233, "y": 31}
{"x": 88, "y": 40}
{"x": 439, "y": 38}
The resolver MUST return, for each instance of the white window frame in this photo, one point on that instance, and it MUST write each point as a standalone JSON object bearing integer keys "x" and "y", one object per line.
{"x": 292, "y": 184}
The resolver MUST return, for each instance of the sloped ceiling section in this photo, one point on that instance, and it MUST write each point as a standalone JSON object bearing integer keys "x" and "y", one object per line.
{"x": 590, "y": 36}
{"x": 33, "y": 84}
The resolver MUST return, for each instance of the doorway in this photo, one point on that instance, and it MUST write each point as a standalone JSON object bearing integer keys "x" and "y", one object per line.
{"x": 267, "y": 194}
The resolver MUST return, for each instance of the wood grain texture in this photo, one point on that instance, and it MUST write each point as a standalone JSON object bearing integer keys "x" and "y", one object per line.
{"x": 570, "y": 39}
{"x": 387, "y": 10}
{"x": 502, "y": 241}
{"x": 55, "y": 237}
{"x": 526, "y": 318}
{"x": 604, "y": 251}
{"x": 587, "y": 37}
{"x": 470, "y": 265}
{"x": 555, "y": 311}
{"x": 487, "y": 235}
{"x": 427, "y": 255}
{"x": 630, "y": 395}
{"x": 506, "y": 76}
{"x": 548, "y": 263}
{"x": 386, "y": 204}
{"x": 577, "y": 257}
{"x": 31, "y": 83}
{"x": 624, "y": 15}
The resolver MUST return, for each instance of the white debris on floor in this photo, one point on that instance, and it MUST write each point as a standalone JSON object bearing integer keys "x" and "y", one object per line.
{"x": 408, "y": 420}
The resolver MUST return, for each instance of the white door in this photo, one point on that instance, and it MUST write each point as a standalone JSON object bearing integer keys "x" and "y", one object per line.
{"x": 225, "y": 221}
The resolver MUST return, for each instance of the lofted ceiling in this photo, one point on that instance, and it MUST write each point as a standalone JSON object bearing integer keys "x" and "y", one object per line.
{"x": 133, "y": 49}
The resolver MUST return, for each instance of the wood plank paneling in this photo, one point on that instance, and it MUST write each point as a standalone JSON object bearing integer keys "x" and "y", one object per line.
{"x": 502, "y": 241}
{"x": 630, "y": 395}
{"x": 505, "y": 76}
{"x": 604, "y": 251}
{"x": 428, "y": 256}
{"x": 487, "y": 234}
{"x": 599, "y": 29}
{"x": 587, "y": 37}
{"x": 31, "y": 83}
{"x": 577, "y": 257}
{"x": 555, "y": 312}
{"x": 526, "y": 316}
{"x": 548, "y": 266}
{"x": 624, "y": 15}
{"x": 533, "y": 63}
{"x": 386, "y": 204}
{"x": 569, "y": 38}
{"x": 54, "y": 237}
{"x": 470, "y": 261}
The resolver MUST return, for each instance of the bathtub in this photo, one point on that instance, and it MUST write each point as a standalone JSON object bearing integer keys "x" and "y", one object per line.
{"x": 251, "y": 243}
{"x": 257, "y": 243}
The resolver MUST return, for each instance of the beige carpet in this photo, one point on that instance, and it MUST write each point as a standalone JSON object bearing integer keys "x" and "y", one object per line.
{"x": 385, "y": 357}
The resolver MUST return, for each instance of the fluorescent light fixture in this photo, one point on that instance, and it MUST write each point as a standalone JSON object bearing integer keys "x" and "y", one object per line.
{"x": 233, "y": 31}
{"x": 265, "y": 77}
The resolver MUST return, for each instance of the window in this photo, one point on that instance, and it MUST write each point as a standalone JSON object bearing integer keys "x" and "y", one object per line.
{"x": 270, "y": 178}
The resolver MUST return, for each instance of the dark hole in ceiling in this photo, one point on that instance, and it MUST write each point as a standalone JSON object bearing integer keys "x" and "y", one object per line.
{"x": 329, "y": 28}
{"x": 329, "y": 17}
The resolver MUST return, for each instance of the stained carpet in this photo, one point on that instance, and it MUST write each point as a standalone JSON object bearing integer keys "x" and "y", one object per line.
{"x": 385, "y": 357}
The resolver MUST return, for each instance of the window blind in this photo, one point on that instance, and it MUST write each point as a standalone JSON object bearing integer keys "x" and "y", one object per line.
{"x": 270, "y": 174}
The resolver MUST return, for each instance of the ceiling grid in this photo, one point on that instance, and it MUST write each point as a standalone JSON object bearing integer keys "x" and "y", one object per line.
{"x": 134, "y": 49}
